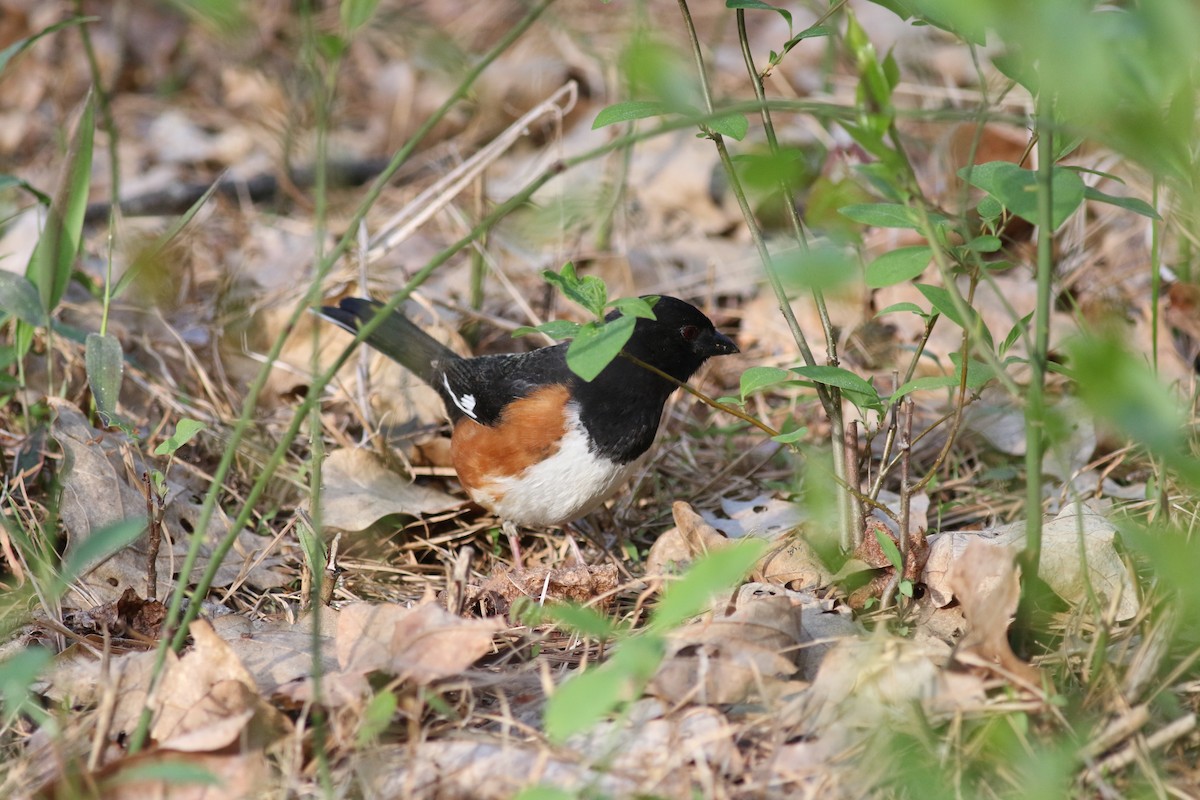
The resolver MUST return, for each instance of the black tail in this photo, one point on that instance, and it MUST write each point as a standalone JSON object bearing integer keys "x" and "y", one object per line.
{"x": 397, "y": 337}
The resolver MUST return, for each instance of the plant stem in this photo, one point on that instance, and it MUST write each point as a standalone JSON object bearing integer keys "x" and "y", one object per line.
{"x": 830, "y": 399}
{"x": 1035, "y": 405}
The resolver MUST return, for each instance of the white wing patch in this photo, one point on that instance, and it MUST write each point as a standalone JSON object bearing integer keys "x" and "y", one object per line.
{"x": 465, "y": 403}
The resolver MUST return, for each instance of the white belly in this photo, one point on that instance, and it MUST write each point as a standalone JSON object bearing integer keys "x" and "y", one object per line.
{"x": 560, "y": 489}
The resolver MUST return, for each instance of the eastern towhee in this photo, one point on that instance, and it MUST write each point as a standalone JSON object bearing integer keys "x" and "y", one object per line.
{"x": 532, "y": 442}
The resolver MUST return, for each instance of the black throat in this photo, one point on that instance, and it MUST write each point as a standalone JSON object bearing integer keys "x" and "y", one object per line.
{"x": 621, "y": 409}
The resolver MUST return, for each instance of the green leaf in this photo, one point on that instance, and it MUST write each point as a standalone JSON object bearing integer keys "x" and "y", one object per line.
{"x": 715, "y": 572}
{"x": 582, "y": 620}
{"x": 985, "y": 244}
{"x": 585, "y": 699}
{"x": 882, "y": 215}
{"x": 588, "y": 291}
{"x": 629, "y": 111}
{"x": 760, "y": 6}
{"x": 596, "y": 345}
{"x": 823, "y": 266}
{"x": 21, "y": 45}
{"x": 842, "y": 378}
{"x": 1128, "y": 203}
{"x": 890, "y": 551}
{"x": 17, "y": 673}
{"x": 814, "y": 32}
{"x": 642, "y": 308}
{"x": 924, "y": 384}
{"x": 1020, "y": 327}
{"x": 20, "y": 298}
{"x": 376, "y": 718}
{"x": 356, "y": 13}
{"x": 105, "y": 362}
{"x": 790, "y": 437}
{"x": 895, "y": 307}
{"x": 732, "y": 125}
{"x": 185, "y": 430}
{"x": 174, "y": 771}
{"x": 897, "y": 266}
{"x": 942, "y": 303}
{"x": 558, "y": 329}
{"x": 1016, "y": 189}
{"x": 99, "y": 545}
{"x": 978, "y": 373}
{"x": 758, "y": 378}
{"x": 54, "y": 256}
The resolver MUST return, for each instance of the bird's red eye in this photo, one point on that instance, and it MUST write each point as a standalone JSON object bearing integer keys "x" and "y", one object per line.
{"x": 689, "y": 332}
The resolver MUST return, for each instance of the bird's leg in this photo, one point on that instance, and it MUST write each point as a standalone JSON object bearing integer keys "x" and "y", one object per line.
{"x": 514, "y": 542}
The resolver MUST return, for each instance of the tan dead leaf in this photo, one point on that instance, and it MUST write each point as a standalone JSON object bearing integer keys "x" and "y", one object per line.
{"x": 792, "y": 562}
{"x": 423, "y": 644}
{"x": 732, "y": 653}
{"x": 988, "y": 587}
{"x": 1063, "y": 537}
{"x": 865, "y": 681}
{"x": 239, "y": 775}
{"x": 276, "y": 652}
{"x": 359, "y": 490}
{"x": 482, "y": 769}
{"x": 76, "y": 679}
{"x": 207, "y": 699}
{"x": 575, "y": 584}
{"x": 102, "y": 485}
{"x": 691, "y": 538}
{"x": 649, "y": 754}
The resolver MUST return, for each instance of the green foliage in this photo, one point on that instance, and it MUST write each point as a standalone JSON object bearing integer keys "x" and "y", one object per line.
{"x": 594, "y": 344}
{"x": 105, "y": 363}
{"x": 1016, "y": 189}
{"x": 185, "y": 430}
{"x": 898, "y": 266}
{"x": 21, "y": 45}
{"x": 54, "y": 256}
{"x": 17, "y": 674}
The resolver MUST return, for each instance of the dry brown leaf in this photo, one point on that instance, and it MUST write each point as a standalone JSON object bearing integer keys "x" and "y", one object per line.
{"x": 208, "y": 698}
{"x": 988, "y": 587}
{"x": 793, "y": 562}
{"x": 1062, "y": 569}
{"x": 690, "y": 539}
{"x": 359, "y": 490}
{"x": 129, "y": 615}
{"x": 651, "y": 754}
{"x": 422, "y": 644}
{"x": 732, "y": 653}
{"x": 866, "y": 682}
{"x": 277, "y": 652}
{"x": 102, "y": 485}
{"x": 239, "y": 775}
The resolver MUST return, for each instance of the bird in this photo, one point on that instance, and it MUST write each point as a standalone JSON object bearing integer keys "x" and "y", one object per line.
{"x": 531, "y": 441}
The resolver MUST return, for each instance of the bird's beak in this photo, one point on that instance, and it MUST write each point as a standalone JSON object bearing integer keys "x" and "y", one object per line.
{"x": 722, "y": 345}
